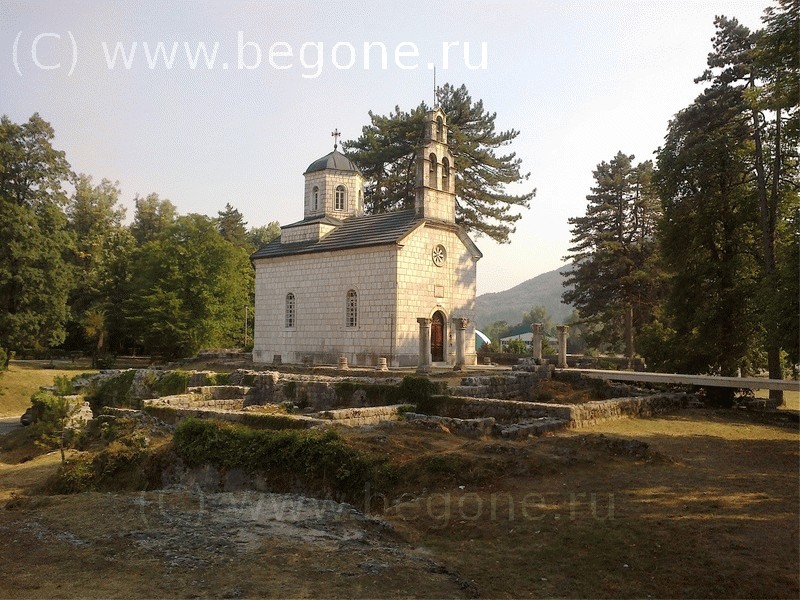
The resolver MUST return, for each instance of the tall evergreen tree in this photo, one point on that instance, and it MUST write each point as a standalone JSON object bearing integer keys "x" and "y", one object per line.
{"x": 386, "y": 154}
{"x": 34, "y": 276}
{"x": 763, "y": 66}
{"x": 709, "y": 238}
{"x": 232, "y": 226}
{"x": 612, "y": 282}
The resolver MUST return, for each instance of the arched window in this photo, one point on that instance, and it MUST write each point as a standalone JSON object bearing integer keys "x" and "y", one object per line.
{"x": 445, "y": 174}
{"x": 432, "y": 169}
{"x": 290, "y": 310}
{"x": 439, "y": 129}
{"x": 351, "y": 319}
{"x": 315, "y": 196}
{"x": 340, "y": 198}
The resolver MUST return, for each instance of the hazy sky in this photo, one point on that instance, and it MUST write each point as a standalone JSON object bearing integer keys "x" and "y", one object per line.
{"x": 580, "y": 80}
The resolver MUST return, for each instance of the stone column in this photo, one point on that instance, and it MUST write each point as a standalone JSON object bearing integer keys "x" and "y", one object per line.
{"x": 563, "y": 334}
{"x": 424, "y": 361}
{"x": 537, "y": 342}
{"x": 460, "y": 325}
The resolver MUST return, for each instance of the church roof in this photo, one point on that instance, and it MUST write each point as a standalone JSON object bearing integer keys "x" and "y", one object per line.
{"x": 355, "y": 232}
{"x": 324, "y": 219}
{"x": 335, "y": 160}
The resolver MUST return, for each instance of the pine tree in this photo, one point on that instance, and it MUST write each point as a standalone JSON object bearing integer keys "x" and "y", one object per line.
{"x": 758, "y": 72}
{"x": 735, "y": 149}
{"x": 612, "y": 281}
{"x": 709, "y": 237}
{"x": 232, "y": 226}
{"x": 385, "y": 153}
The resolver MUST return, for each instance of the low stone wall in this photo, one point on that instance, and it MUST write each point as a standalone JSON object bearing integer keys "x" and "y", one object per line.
{"x": 316, "y": 392}
{"x": 196, "y": 401}
{"x": 362, "y": 416}
{"x": 591, "y": 413}
{"x": 467, "y": 427}
{"x": 221, "y": 392}
{"x": 174, "y": 415}
{"x": 519, "y": 383}
{"x": 573, "y": 415}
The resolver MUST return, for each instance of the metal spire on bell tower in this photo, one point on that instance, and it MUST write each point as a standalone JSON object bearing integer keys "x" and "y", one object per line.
{"x": 435, "y": 91}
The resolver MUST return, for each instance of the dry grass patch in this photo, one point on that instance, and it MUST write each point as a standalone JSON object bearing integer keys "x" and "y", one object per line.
{"x": 23, "y": 378}
{"x": 709, "y": 510}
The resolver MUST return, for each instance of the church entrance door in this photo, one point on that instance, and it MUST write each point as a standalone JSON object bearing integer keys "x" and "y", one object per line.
{"x": 437, "y": 337}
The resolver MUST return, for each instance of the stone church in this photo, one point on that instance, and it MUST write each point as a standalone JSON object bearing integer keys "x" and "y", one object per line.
{"x": 398, "y": 285}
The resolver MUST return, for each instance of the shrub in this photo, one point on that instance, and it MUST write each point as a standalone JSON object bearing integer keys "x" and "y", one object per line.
{"x": 516, "y": 347}
{"x": 63, "y": 385}
{"x": 74, "y": 477}
{"x": 217, "y": 378}
{"x": 48, "y": 415}
{"x": 3, "y": 359}
{"x": 173, "y": 382}
{"x": 418, "y": 389}
{"x": 320, "y": 460}
{"x": 113, "y": 391}
{"x": 106, "y": 361}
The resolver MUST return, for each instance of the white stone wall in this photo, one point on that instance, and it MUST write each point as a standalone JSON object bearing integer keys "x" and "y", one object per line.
{"x": 395, "y": 287}
{"x": 320, "y": 282}
{"x": 423, "y": 288}
{"x": 302, "y": 233}
{"x": 327, "y": 181}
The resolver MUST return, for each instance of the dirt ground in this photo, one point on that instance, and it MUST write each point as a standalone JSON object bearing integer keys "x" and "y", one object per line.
{"x": 695, "y": 504}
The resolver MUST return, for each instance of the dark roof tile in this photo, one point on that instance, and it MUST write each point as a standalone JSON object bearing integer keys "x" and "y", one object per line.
{"x": 355, "y": 232}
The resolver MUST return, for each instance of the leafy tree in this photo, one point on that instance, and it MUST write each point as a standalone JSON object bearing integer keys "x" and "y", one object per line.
{"x": 95, "y": 220}
{"x": 34, "y": 276}
{"x": 258, "y": 237}
{"x": 152, "y": 217}
{"x": 539, "y": 314}
{"x": 386, "y": 154}
{"x": 189, "y": 287}
{"x": 496, "y": 330}
{"x": 231, "y": 226}
{"x": 611, "y": 283}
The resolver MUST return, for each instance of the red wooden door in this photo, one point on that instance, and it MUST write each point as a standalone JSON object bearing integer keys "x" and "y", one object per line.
{"x": 437, "y": 337}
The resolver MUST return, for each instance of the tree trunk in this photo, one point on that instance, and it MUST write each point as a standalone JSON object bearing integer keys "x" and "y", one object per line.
{"x": 629, "y": 349}
{"x": 768, "y": 205}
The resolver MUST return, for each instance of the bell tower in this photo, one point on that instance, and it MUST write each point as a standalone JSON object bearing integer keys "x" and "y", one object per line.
{"x": 435, "y": 192}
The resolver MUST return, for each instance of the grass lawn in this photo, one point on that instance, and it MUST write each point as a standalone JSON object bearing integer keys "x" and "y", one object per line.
{"x": 23, "y": 378}
{"x": 791, "y": 400}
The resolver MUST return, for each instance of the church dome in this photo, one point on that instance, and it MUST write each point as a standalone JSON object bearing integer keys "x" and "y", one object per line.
{"x": 335, "y": 160}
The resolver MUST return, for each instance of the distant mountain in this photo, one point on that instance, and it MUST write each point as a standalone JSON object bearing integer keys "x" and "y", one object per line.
{"x": 543, "y": 290}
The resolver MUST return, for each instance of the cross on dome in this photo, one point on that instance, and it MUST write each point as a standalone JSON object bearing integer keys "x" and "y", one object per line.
{"x": 336, "y": 134}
